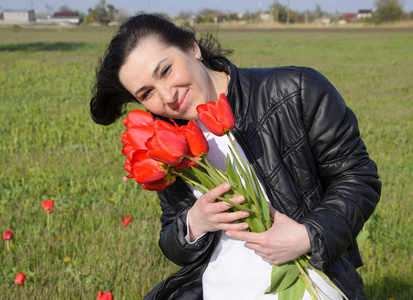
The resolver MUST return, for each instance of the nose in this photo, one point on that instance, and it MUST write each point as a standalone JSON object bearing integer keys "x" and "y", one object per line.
{"x": 169, "y": 94}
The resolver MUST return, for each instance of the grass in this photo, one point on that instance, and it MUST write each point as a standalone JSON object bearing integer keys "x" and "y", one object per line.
{"x": 50, "y": 148}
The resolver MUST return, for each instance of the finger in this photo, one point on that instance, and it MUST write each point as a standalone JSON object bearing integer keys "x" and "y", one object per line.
{"x": 212, "y": 195}
{"x": 234, "y": 226}
{"x": 250, "y": 237}
{"x": 230, "y": 217}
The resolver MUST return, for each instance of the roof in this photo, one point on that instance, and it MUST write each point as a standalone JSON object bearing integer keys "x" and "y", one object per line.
{"x": 350, "y": 15}
{"x": 365, "y": 11}
{"x": 66, "y": 14}
{"x": 18, "y": 10}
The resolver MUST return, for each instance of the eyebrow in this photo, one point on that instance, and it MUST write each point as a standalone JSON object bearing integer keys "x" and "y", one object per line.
{"x": 154, "y": 74}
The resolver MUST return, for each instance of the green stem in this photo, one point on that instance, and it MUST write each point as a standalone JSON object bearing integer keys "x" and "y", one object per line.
{"x": 203, "y": 189}
{"x": 220, "y": 173}
{"x": 210, "y": 169}
{"x": 248, "y": 172}
{"x": 48, "y": 228}
{"x": 324, "y": 276}
{"x": 312, "y": 290}
{"x": 8, "y": 245}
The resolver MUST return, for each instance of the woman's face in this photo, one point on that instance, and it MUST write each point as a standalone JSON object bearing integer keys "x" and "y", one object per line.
{"x": 168, "y": 81}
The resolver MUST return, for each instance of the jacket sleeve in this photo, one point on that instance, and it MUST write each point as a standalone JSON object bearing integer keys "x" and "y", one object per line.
{"x": 349, "y": 177}
{"x": 175, "y": 203}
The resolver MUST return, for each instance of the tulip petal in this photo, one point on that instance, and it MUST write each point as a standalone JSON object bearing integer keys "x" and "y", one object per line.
{"x": 159, "y": 184}
{"x": 224, "y": 114}
{"x": 137, "y": 136}
{"x": 164, "y": 156}
{"x": 211, "y": 123}
{"x": 139, "y": 117}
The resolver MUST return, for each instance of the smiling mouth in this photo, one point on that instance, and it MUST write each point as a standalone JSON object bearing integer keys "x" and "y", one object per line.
{"x": 182, "y": 103}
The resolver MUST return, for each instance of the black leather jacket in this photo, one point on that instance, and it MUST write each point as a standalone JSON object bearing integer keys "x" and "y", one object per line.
{"x": 304, "y": 145}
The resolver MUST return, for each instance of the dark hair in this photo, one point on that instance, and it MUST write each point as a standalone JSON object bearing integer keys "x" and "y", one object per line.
{"x": 109, "y": 96}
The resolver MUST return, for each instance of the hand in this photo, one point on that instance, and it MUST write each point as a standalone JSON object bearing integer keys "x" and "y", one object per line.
{"x": 285, "y": 241}
{"x": 209, "y": 215}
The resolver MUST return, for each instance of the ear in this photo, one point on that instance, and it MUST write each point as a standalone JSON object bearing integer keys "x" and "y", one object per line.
{"x": 196, "y": 51}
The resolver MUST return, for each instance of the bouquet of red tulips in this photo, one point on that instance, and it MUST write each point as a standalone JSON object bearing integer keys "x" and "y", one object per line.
{"x": 157, "y": 152}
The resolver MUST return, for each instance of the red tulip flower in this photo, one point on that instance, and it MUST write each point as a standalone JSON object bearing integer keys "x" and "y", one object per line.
{"x": 217, "y": 116}
{"x": 126, "y": 221}
{"x": 48, "y": 205}
{"x": 167, "y": 145}
{"x": 197, "y": 143}
{"x": 159, "y": 185}
{"x": 145, "y": 169}
{"x": 139, "y": 117}
{"x": 105, "y": 296}
{"x": 136, "y": 137}
{"x": 20, "y": 279}
{"x": 8, "y": 235}
{"x": 198, "y": 146}
{"x": 152, "y": 174}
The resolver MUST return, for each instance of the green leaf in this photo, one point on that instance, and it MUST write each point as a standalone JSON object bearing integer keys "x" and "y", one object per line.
{"x": 240, "y": 169}
{"x": 239, "y": 187}
{"x": 289, "y": 278}
{"x": 204, "y": 179}
{"x": 282, "y": 276}
{"x": 262, "y": 201}
{"x": 232, "y": 175}
{"x": 254, "y": 224}
{"x": 294, "y": 291}
{"x": 277, "y": 275}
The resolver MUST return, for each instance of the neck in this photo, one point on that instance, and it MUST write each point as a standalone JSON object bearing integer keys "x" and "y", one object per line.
{"x": 219, "y": 84}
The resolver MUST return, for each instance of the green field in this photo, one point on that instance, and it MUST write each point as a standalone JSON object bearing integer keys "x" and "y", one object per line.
{"x": 50, "y": 148}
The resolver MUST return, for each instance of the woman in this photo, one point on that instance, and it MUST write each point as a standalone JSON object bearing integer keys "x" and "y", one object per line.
{"x": 292, "y": 126}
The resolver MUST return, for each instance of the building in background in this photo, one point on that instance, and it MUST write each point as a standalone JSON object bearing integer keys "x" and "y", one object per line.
{"x": 62, "y": 18}
{"x": 18, "y": 16}
{"x": 364, "y": 13}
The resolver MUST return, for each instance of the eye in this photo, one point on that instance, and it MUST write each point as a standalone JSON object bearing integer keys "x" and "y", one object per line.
{"x": 145, "y": 95}
{"x": 166, "y": 71}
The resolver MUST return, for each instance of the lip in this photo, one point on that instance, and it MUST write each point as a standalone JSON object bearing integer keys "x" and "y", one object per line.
{"x": 184, "y": 102}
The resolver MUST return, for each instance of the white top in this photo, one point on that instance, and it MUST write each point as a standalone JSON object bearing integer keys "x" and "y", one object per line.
{"x": 234, "y": 271}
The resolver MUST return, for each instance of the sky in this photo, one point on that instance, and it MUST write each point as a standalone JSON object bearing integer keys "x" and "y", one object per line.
{"x": 173, "y": 7}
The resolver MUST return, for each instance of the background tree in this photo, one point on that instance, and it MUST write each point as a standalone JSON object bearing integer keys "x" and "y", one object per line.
{"x": 102, "y": 13}
{"x": 318, "y": 13}
{"x": 388, "y": 11}
{"x": 65, "y": 8}
{"x": 279, "y": 12}
{"x": 49, "y": 9}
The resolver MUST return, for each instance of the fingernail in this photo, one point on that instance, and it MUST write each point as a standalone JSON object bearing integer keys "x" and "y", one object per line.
{"x": 227, "y": 186}
{"x": 228, "y": 234}
{"x": 241, "y": 199}
{"x": 245, "y": 214}
{"x": 245, "y": 226}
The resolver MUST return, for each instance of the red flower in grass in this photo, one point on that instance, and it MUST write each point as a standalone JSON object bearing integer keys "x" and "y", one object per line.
{"x": 48, "y": 205}
{"x": 20, "y": 279}
{"x": 217, "y": 116}
{"x": 126, "y": 221}
{"x": 8, "y": 235}
{"x": 105, "y": 296}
